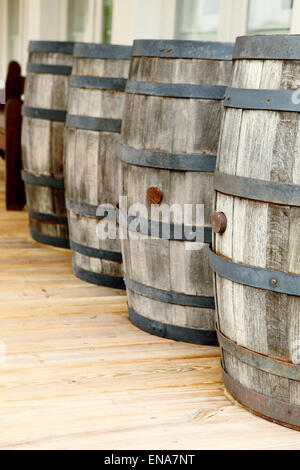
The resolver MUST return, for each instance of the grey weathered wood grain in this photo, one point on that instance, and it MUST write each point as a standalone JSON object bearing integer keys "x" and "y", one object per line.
{"x": 177, "y": 126}
{"x": 43, "y": 140}
{"x": 92, "y": 161}
{"x": 262, "y": 145}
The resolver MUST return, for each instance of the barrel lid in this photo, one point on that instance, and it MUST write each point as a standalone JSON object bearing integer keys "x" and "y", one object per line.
{"x": 273, "y": 46}
{"x": 59, "y": 47}
{"x": 102, "y": 51}
{"x": 183, "y": 49}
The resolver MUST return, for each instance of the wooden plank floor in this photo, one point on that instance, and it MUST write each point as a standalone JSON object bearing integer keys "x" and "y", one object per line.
{"x": 78, "y": 375}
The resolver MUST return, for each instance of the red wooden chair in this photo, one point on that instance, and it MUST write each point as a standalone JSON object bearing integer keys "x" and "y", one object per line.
{"x": 10, "y": 138}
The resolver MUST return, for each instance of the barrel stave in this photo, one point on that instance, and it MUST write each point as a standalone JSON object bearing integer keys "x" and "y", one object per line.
{"x": 46, "y": 200}
{"x": 97, "y": 265}
{"x": 189, "y": 71}
{"x": 57, "y": 231}
{"x": 171, "y": 314}
{"x": 91, "y": 103}
{"x": 83, "y": 230}
{"x": 107, "y": 68}
{"x": 262, "y": 145}
{"x": 178, "y": 274}
{"x": 43, "y": 139}
{"x": 51, "y": 58}
{"x": 170, "y": 126}
{"x": 92, "y": 167}
{"x": 178, "y": 125}
{"x": 177, "y": 187}
{"x": 94, "y": 161}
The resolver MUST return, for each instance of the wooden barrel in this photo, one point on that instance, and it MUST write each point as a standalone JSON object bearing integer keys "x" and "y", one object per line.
{"x": 169, "y": 143}
{"x": 44, "y": 115}
{"x": 92, "y": 161}
{"x": 257, "y": 222}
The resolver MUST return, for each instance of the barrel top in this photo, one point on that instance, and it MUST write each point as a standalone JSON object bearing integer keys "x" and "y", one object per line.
{"x": 102, "y": 51}
{"x": 59, "y": 47}
{"x": 180, "y": 49}
{"x": 273, "y": 47}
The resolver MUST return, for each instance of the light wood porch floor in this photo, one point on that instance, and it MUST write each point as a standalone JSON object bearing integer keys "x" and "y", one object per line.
{"x": 78, "y": 375}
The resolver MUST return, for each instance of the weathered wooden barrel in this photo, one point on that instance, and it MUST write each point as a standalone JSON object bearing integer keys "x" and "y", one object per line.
{"x": 92, "y": 159}
{"x": 257, "y": 222}
{"x": 44, "y": 115}
{"x": 169, "y": 140}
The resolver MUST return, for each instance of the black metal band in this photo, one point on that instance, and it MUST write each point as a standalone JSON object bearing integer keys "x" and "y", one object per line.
{"x": 168, "y": 161}
{"x": 176, "y": 333}
{"x": 83, "y": 81}
{"x": 278, "y": 47}
{"x": 48, "y": 240}
{"x": 49, "y": 69}
{"x": 266, "y": 406}
{"x": 270, "y": 100}
{"x": 82, "y": 208}
{"x": 275, "y": 281}
{"x": 183, "y": 49}
{"x": 46, "y": 114}
{"x": 96, "y": 253}
{"x": 89, "y": 210}
{"x": 102, "y": 51}
{"x": 258, "y": 190}
{"x": 39, "y": 180}
{"x": 170, "y": 297}
{"x": 55, "y": 219}
{"x": 57, "y": 47}
{"x": 176, "y": 90}
{"x": 145, "y": 226}
{"x": 94, "y": 124}
{"x": 99, "y": 279}
{"x": 259, "y": 361}
{"x": 165, "y": 231}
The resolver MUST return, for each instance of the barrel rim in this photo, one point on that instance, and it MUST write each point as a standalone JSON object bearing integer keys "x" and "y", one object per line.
{"x": 170, "y": 296}
{"x": 59, "y": 47}
{"x": 183, "y": 49}
{"x": 58, "y": 242}
{"x": 99, "y": 279}
{"x": 265, "y": 406}
{"x": 90, "y": 50}
{"x": 267, "y": 46}
{"x": 173, "y": 332}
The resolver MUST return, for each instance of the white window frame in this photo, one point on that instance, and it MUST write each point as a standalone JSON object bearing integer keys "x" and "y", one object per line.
{"x": 234, "y": 19}
{"x": 93, "y": 31}
{"x": 32, "y": 14}
{"x": 295, "y": 23}
{"x": 22, "y": 52}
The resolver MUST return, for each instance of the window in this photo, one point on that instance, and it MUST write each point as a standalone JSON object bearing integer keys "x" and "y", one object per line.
{"x": 77, "y": 19}
{"x": 269, "y": 16}
{"x": 197, "y": 19}
{"x": 107, "y": 21}
{"x": 13, "y": 18}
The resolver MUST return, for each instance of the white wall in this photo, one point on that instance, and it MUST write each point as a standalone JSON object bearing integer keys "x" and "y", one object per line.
{"x": 45, "y": 20}
{"x": 132, "y": 19}
{"x": 233, "y": 19}
{"x": 3, "y": 35}
{"x": 143, "y": 19}
{"x": 155, "y": 19}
